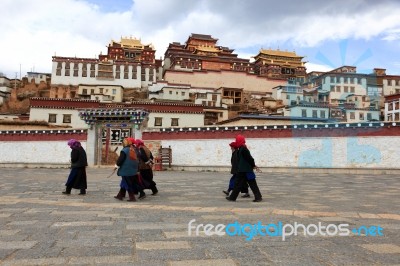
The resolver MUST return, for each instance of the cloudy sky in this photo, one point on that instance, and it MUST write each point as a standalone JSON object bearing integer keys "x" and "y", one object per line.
{"x": 362, "y": 33}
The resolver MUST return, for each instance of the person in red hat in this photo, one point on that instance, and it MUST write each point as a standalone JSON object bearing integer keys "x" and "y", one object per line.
{"x": 234, "y": 166}
{"x": 245, "y": 171}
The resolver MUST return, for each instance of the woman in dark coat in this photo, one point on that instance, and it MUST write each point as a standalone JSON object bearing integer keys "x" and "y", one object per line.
{"x": 77, "y": 175}
{"x": 145, "y": 166}
{"x": 245, "y": 172}
{"x": 234, "y": 167}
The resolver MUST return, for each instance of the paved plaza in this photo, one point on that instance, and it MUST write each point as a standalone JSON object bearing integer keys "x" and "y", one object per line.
{"x": 41, "y": 226}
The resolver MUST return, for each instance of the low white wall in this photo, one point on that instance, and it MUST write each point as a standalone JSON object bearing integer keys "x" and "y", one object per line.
{"x": 214, "y": 154}
{"x": 39, "y": 153}
{"x": 341, "y": 152}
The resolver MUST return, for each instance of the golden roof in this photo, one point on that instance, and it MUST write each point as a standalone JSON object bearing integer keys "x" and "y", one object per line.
{"x": 133, "y": 43}
{"x": 278, "y": 53}
{"x": 207, "y": 49}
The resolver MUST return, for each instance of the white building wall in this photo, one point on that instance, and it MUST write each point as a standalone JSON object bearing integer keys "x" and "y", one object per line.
{"x": 103, "y": 93}
{"x": 42, "y": 114}
{"x": 357, "y": 117}
{"x": 359, "y": 89}
{"x": 390, "y": 87}
{"x": 75, "y": 81}
{"x": 230, "y": 79}
{"x": 185, "y": 120}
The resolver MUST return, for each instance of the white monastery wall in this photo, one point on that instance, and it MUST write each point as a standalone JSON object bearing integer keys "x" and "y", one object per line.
{"x": 338, "y": 152}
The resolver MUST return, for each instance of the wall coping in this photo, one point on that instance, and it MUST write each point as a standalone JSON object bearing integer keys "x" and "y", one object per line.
{"x": 269, "y": 127}
{"x": 46, "y": 131}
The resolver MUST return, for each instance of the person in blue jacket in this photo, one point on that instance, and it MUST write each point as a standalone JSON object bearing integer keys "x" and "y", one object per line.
{"x": 128, "y": 164}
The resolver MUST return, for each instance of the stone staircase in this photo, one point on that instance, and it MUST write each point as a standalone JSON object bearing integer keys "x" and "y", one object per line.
{"x": 254, "y": 104}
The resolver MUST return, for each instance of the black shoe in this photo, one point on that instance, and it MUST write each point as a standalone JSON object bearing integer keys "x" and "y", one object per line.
{"x": 228, "y": 198}
{"x": 155, "y": 191}
{"x": 247, "y": 195}
{"x": 225, "y": 192}
{"x": 142, "y": 196}
{"x": 257, "y": 200}
{"x": 84, "y": 193}
{"x": 66, "y": 193}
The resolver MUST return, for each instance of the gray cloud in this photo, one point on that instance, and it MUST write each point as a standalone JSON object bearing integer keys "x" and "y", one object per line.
{"x": 35, "y": 30}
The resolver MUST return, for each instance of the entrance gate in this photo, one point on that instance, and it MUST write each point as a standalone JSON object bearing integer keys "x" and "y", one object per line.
{"x": 108, "y": 127}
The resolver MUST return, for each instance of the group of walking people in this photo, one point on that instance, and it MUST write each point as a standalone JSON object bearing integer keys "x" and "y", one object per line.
{"x": 134, "y": 165}
{"x": 242, "y": 170}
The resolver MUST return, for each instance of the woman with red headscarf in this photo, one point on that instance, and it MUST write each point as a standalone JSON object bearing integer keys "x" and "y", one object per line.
{"x": 234, "y": 167}
{"x": 77, "y": 176}
{"x": 245, "y": 171}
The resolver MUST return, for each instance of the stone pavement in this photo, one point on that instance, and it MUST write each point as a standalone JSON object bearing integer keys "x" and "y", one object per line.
{"x": 40, "y": 226}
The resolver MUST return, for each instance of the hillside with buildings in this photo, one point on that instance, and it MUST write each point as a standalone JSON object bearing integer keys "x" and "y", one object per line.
{"x": 200, "y": 72}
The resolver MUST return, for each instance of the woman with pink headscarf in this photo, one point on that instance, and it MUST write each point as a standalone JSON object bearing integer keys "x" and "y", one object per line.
{"x": 245, "y": 172}
{"x": 77, "y": 176}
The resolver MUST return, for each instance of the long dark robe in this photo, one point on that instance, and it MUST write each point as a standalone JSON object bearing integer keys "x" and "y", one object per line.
{"x": 77, "y": 177}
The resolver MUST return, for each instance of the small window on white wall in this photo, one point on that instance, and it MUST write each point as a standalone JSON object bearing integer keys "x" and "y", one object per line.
{"x": 67, "y": 118}
{"x": 174, "y": 122}
{"x": 158, "y": 121}
{"x": 52, "y": 118}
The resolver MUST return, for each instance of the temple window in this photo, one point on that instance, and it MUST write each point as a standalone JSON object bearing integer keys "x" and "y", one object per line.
{"x": 66, "y": 118}
{"x": 84, "y": 70}
{"x": 76, "y": 69}
{"x": 92, "y": 71}
{"x": 52, "y": 118}
{"x": 314, "y": 114}
{"x": 67, "y": 69}
{"x": 134, "y": 72}
{"x": 126, "y": 72}
{"x": 58, "y": 71}
{"x": 174, "y": 122}
{"x": 143, "y": 74}
{"x": 158, "y": 121}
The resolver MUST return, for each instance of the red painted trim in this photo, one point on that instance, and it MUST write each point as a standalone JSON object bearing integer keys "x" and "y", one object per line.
{"x": 43, "y": 137}
{"x": 275, "y": 133}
